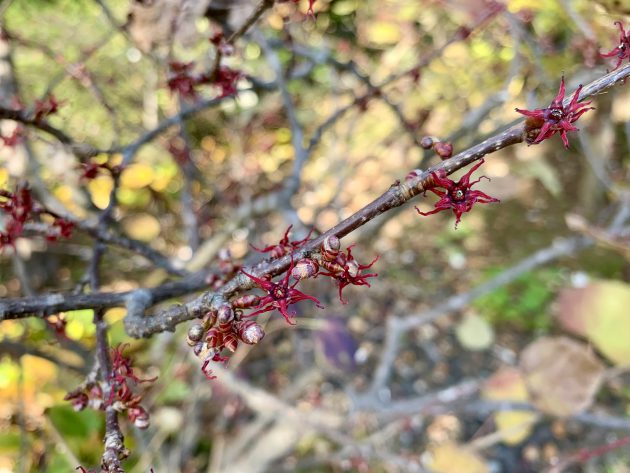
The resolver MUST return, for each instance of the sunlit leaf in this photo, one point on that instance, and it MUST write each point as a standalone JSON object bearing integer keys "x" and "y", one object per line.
{"x": 508, "y": 384}
{"x": 599, "y": 312}
{"x": 451, "y": 458}
{"x": 561, "y": 374}
{"x": 474, "y": 333}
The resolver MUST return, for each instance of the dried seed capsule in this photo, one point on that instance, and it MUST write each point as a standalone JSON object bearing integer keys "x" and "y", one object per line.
{"x": 246, "y": 301}
{"x": 305, "y": 268}
{"x": 225, "y": 315}
{"x": 330, "y": 248}
{"x": 195, "y": 334}
{"x": 214, "y": 338}
{"x": 250, "y": 332}
{"x": 231, "y": 342}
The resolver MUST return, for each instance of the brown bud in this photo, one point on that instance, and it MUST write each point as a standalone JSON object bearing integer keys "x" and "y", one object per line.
{"x": 225, "y": 314}
{"x": 330, "y": 248}
{"x": 426, "y": 142}
{"x": 250, "y": 332}
{"x": 305, "y": 268}
{"x": 443, "y": 149}
{"x": 195, "y": 334}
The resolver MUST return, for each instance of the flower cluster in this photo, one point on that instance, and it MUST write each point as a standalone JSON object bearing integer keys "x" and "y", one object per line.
{"x": 555, "y": 118}
{"x": 20, "y": 208}
{"x": 280, "y": 295}
{"x": 622, "y": 50}
{"x": 44, "y": 108}
{"x": 343, "y": 267}
{"x": 457, "y": 196}
{"x": 185, "y": 82}
{"x": 225, "y": 328}
{"x": 443, "y": 149}
{"x": 91, "y": 170}
{"x": 121, "y": 396}
{"x": 222, "y": 329}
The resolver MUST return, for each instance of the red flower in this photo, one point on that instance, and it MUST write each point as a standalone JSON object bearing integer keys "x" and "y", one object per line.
{"x": 556, "y": 117}
{"x": 279, "y": 296}
{"x": 181, "y": 81}
{"x": 46, "y": 107}
{"x": 284, "y": 246}
{"x": 346, "y": 270}
{"x": 15, "y": 138}
{"x": 622, "y": 50}
{"x": 458, "y": 195}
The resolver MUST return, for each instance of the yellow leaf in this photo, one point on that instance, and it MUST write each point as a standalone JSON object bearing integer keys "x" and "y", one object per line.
{"x": 143, "y": 227}
{"x": 383, "y": 33}
{"x": 137, "y": 176}
{"x": 100, "y": 189}
{"x": 508, "y": 384}
{"x": 452, "y": 458}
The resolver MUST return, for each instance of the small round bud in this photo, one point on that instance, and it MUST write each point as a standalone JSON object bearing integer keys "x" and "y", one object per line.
{"x": 225, "y": 314}
{"x": 305, "y": 268}
{"x": 443, "y": 149}
{"x": 330, "y": 248}
{"x": 426, "y": 142}
{"x": 250, "y": 332}
{"x": 195, "y": 334}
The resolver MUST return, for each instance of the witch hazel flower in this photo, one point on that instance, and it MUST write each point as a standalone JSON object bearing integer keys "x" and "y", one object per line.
{"x": 345, "y": 269}
{"x": 622, "y": 50}
{"x": 557, "y": 118}
{"x": 280, "y": 295}
{"x": 284, "y": 246}
{"x": 457, "y": 196}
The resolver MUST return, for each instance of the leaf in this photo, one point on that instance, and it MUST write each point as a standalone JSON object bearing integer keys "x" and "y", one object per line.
{"x": 474, "y": 333}
{"x": 599, "y": 312}
{"x": 143, "y": 227}
{"x": 74, "y": 424}
{"x": 508, "y": 384}
{"x": 561, "y": 374}
{"x": 451, "y": 458}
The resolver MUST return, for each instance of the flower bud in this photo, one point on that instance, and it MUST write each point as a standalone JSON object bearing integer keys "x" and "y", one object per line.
{"x": 195, "y": 334}
{"x": 426, "y": 142}
{"x": 250, "y": 332}
{"x": 330, "y": 248}
{"x": 305, "y": 268}
{"x": 443, "y": 149}
{"x": 225, "y": 314}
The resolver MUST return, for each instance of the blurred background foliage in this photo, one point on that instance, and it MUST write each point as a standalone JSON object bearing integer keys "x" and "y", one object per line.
{"x": 112, "y": 83}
